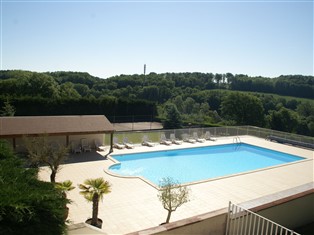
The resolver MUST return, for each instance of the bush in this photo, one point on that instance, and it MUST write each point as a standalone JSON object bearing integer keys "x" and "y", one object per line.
{"x": 27, "y": 205}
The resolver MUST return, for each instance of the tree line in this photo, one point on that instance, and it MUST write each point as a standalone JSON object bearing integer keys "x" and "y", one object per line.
{"x": 284, "y": 103}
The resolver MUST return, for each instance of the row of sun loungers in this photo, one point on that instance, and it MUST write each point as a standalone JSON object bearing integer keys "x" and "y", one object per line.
{"x": 185, "y": 138}
{"x": 85, "y": 147}
{"x": 195, "y": 138}
{"x": 125, "y": 144}
{"x": 163, "y": 140}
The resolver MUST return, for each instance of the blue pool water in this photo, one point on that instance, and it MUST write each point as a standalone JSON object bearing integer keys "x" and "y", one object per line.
{"x": 195, "y": 164}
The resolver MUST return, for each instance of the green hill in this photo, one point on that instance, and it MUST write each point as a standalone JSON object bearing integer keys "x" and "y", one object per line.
{"x": 285, "y": 103}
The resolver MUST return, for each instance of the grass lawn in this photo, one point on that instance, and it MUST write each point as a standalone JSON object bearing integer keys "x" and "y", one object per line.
{"x": 134, "y": 137}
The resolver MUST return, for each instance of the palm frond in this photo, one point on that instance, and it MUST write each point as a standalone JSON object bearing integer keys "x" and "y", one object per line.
{"x": 95, "y": 186}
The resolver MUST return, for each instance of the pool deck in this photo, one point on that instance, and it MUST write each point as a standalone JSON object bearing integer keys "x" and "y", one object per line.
{"x": 133, "y": 204}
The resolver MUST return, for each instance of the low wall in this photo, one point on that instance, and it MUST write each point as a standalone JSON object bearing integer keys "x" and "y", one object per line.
{"x": 290, "y": 208}
{"x": 213, "y": 223}
{"x": 60, "y": 140}
{"x": 292, "y": 214}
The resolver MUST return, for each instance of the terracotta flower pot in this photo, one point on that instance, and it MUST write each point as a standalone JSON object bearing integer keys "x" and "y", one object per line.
{"x": 99, "y": 222}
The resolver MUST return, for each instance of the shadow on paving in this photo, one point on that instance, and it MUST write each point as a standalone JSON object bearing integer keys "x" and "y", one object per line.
{"x": 84, "y": 157}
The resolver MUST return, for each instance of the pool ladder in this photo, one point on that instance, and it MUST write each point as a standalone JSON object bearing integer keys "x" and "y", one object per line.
{"x": 236, "y": 140}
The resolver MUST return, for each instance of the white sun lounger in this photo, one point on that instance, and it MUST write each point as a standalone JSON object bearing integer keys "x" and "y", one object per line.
{"x": 208, "y": 136}
{"x": 146, "y": 141}
{"x": 127, "y": 143}
{"x": 187, "y": 138}
{"x": 85, "y": 146}
{"x": 75, "y": 148}
{"x": 163, "y": 140}
{"x": 200, "y": 140}
{"x": 174, "y": 140}
{"x": 116, "y": 144}
{"x": 99, "y": 146}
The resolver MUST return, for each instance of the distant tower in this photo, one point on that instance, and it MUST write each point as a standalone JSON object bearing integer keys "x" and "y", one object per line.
{"x": 144, "y": 69}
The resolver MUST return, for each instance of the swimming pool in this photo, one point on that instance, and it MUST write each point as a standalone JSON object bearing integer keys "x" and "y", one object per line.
{"x": 198, "y": 164}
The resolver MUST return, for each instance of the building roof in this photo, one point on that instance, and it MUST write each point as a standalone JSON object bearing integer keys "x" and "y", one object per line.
{"x": 54, "y": 125}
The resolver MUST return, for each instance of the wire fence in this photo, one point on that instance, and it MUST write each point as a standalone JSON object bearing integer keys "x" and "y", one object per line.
{"x": 227, "y": 131}
{"x": 131, "y": 118}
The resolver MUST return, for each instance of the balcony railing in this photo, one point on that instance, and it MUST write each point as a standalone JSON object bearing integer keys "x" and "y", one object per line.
{"x": 245, "y": 222}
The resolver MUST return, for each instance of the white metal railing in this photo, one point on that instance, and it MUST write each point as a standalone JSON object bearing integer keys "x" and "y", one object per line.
{"x": 236, "y": 140}
{"x": 241, "y": 221}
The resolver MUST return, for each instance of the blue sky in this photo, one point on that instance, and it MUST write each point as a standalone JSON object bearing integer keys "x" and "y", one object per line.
{"x": 107, "y": 38}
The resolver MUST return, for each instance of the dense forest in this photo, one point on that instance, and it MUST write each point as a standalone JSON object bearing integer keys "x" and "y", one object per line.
{"x": 285, "y": 103}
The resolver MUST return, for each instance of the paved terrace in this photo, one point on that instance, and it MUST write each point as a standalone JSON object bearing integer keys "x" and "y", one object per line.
{"x": 133, "y": 204}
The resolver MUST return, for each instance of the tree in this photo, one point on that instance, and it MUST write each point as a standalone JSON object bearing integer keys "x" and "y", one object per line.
{"x": 188, "y": 105}
{"x": 38, "y": 84}
{"x": 229, "y": 77}
{"x": 27, "y": 206}
{"x": 93, "y": 190}
{"x": 65, "y": 187}
{"x": 224, "y": 78}
{"x": 82, "y": 89}
{"x": 306, "y": 109}
{"x": 204, "y": 108}
{"x": 172, "y": 195}
{"x": 7, "y": 109}
{"x": 178, "y": 101}
{"x": 173, "y": 118}
{"x": 243, "y": 108}
{"x": 68, "y": 91}
{"x": 150, "y": 93}
{"x": 218, "y": 78}
{"x": 284, "y": 120}
{"x": 41, "y": 152}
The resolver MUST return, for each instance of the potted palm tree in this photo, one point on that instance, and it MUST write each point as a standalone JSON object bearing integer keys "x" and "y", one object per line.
{"x": 93, "y": 190}
{"x": 65, "y": 187}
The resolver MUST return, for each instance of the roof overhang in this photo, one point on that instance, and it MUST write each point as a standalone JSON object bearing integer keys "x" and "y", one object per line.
{"x": 54, "y": 125}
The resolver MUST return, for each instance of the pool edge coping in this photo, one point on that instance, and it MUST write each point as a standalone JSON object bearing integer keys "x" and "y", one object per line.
{"x": 115, "y": 162}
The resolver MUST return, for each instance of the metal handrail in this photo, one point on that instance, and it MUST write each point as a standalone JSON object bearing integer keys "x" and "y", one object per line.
{"x": 236, "y": 140}
{"x": 245, "y": 222}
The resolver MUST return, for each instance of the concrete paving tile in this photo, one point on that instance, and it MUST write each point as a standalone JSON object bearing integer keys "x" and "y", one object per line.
{"x": 133, "y": 204}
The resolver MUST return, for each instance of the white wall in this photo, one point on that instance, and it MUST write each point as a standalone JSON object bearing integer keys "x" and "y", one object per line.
{"x": 60, "y": 140}
{"x": 291, "y": 214}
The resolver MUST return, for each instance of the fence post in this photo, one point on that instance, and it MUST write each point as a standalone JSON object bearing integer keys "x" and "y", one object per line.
{"x": 228, "y": 219}
{"x": 260, "y": 130}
